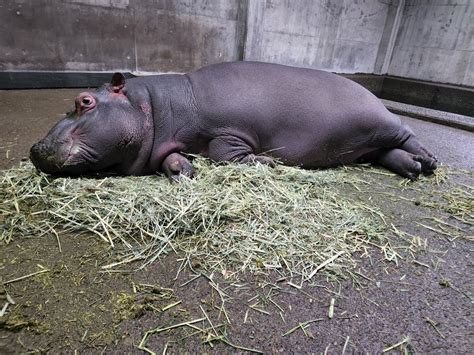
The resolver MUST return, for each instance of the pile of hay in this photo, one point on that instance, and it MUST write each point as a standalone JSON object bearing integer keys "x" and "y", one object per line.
{"x": 231, "y": 218}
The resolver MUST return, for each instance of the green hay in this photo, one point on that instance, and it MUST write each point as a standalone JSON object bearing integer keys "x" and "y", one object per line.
{"x": 231, "y": 218}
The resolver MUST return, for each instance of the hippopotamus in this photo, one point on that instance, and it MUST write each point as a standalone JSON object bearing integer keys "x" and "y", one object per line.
{"x": 246, "y": 112}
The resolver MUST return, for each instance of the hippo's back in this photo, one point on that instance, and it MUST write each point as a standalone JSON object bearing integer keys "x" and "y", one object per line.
{"x": 221, "y": 88}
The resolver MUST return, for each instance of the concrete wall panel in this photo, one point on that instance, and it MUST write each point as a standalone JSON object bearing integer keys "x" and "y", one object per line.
{"x": 435, "y": 42}
{"x": 40, "y": 35}
{"x": 107, "y": 35}
{"x": 469, "y": 76}
{"x": 316, "y": 33}
{"x": 174, "y": 38}
{"x": 434, "y": 38}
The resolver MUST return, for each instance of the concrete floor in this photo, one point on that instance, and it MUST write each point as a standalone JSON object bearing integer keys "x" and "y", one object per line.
{"x": 452, "y": 146}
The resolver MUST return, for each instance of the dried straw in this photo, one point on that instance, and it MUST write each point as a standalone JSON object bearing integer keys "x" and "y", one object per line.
{"x": 231, "y": 218}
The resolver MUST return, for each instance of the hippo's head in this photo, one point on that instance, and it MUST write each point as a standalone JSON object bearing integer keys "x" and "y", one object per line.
{"x": 105, "y": 132}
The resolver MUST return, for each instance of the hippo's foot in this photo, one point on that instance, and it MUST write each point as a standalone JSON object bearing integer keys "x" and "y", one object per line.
{"x": 175, "y": 166}
{"x": 252, "y": 159}
{"x": 427, "y": 159}
{"x": 406, "y": 164}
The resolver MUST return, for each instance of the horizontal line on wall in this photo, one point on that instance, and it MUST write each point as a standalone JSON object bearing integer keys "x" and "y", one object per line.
{"x": 54, "y": 80}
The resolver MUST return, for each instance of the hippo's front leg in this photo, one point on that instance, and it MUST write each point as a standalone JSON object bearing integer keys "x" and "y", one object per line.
{"x": 235, "y": 149}
{"x": 175, "y": 166}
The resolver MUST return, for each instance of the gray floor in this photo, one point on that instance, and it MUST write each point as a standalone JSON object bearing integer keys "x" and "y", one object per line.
{"x": 452, "y": 146}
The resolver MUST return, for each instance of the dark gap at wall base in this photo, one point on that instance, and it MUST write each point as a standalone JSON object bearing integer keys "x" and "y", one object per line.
{"x": 54, "y": 80}
{"x": 436, "y": 96}
{"x": 449, "y": 98}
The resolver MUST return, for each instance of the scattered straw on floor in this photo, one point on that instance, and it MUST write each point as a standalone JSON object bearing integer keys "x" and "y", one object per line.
{"x": 230, "y": 218}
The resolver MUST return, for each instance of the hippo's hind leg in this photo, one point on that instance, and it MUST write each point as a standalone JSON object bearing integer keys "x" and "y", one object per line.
{"x": 426, "y": 158}
{"x": 407, "y": 157}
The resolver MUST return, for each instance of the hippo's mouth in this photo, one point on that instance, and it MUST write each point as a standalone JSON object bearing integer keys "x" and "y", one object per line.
{"x": 81, "y": 154}
{"x": 83, "y": 160}
{"x": 74, "y": 149}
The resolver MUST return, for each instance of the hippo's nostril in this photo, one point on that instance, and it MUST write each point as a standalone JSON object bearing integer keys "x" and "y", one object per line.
{"x": 34, "y": 150}
{"x": 40, "y": 156}
{"x": 35, "y": 153}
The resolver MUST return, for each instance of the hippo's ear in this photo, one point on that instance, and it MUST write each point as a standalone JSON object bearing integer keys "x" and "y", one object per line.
{"x": 117, "y": 83}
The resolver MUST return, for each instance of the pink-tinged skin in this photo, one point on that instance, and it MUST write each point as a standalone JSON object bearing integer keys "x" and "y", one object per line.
{"x": 244, "y": 112}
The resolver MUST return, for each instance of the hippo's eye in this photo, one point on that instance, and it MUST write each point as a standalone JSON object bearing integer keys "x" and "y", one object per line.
{"x": 86, "y": 100}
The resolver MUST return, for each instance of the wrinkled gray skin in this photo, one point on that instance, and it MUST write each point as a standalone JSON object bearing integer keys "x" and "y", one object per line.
{"x": 242, "y": 111}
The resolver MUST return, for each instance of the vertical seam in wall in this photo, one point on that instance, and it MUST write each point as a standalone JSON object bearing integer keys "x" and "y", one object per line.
{"x": 242, "y": 28}
{"x": 135, "y": 38}
{"x": 393, "y": 37}
{"x": 136, "y": 55}
{"x": 336, "y": 42}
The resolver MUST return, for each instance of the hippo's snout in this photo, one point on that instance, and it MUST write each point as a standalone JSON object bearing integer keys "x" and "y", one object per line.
{"x": 41, "y": 157}
{"x": 48, "y": 158}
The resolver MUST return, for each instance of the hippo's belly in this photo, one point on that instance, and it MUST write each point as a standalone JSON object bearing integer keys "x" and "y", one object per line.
{"x": 317, "y": 148}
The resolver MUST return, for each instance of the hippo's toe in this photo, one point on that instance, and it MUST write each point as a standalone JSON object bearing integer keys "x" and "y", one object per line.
{"x": 428, "y": 164}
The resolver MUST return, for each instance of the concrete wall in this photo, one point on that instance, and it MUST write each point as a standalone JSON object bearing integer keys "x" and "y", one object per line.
{"x": 97, "y": 35}
{"x": 336, "y": 35}
{"x": 436, "y": 42}
{"x": 422, "y": 39}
